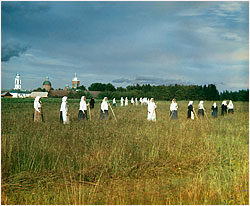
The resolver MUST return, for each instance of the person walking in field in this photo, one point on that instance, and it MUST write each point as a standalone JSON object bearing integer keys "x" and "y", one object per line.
{"x": 215, "y": 110}
{"x": 190, "y": 113}
{"x": 82, "y": 114}
{"x": 64, "y": 116}
{"x": 173, "y": 109}
{"x": 132, "y": 101}
{"x": 38, "y": 115}
{"x": 151, "y": 110}
{"x": 230, "y": 107}
{"x": 201, "y": 109}
{"x": 122, "y": 100}
{"x": 224, "y": 108}
{"x": 92, "y": 103}
{"x": 126, "y": 101}
{"x": 104, "y": 114}
{"x": 136, "y": 101}
{"x": 114, "y": 102}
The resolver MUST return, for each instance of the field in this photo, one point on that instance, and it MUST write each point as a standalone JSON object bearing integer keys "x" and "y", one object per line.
{"x": 131, "y": 161}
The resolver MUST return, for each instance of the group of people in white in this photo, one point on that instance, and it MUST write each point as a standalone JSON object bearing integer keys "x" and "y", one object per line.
{"x": 83, "y": 111}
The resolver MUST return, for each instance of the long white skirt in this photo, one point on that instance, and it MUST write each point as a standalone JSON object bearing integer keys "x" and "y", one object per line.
{"x": 151, "y": 116}
{"x": 192, "y": 115}
{"x": 65, "y": 118}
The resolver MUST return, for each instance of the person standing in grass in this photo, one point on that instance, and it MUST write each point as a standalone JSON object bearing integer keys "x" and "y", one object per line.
{"x": 82, "y": 114}
{"x": 122, "y": 101}
{"x": 136, "y": 101}
{"x": 215, "y": 110}
{"x": 104, "y": 114}
{"x": 230, "y": 107}
{"x": 173, "y": 109}
{"x": 190, "y": 114}
{"x": 114, "y": 102}
{"x": 126, "y": 101}
{"x": 132, "y": 101}
{"x": 151, "y": 110}
{"x": 38, "y": 115}
{"x": 224, "y": 108}
{"x": 64, "y": 116}
{"x": 201, "y": 109}
{"x": 92, "y": 103}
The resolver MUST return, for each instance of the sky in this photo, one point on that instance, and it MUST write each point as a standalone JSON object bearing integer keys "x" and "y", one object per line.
{"x": 125, "y": 43}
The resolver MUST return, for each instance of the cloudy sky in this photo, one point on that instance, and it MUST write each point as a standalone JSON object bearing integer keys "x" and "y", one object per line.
{"x": 125, "y": 43}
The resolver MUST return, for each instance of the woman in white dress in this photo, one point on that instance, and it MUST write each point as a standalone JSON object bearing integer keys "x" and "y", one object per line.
{"x": 64, "y": 111}
{"x": 151, "y": 110}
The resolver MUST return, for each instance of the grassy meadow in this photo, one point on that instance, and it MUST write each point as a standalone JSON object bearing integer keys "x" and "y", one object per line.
{"x": 131, "y": 161}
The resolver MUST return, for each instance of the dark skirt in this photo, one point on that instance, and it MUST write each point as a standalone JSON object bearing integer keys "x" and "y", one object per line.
{"x": 104, "y": 115}
{"x": 114, "y": 104}
{"x": 201, "y": 112}
{"x": 230, "y": 111}
{"x": 61, "y": 118}
{"x": 215, "y": 113}
{"x": 81, "y": 115}
{"x": 173, "y": 114}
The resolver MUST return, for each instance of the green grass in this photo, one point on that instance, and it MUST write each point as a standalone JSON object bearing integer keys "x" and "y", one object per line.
{"x": 131, "y": 161}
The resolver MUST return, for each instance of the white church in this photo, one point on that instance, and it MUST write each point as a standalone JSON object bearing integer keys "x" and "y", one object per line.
{"x": 17, "y": 92}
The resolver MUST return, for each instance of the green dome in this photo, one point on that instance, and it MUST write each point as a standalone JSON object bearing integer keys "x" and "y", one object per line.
{"x": 46, "y": 82}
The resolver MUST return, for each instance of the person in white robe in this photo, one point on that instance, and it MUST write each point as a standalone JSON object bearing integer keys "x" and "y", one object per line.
{"x": 173, "y": 109}
{"x": 122, "y": 100}
{"x": 126, "y": 101}
{"x": 136, "y": 101}
{"x": 132, "y": 101}
{"x": 38, "y": 115}
{"x": 230, "y": 107}
{"x": 64, "y": 111}
{"x": 114, "y": 102}
{"x": 104, "y": 109}
{"x": 83, "y": 112}
{"x": 151, "y": 110}
{"x": 140, "y": 100}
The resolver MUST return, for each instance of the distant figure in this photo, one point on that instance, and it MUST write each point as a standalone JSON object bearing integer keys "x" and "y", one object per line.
{"x": 140, "y": 100}
{"x": 230, "y": 107}
{"x": 82, "y": 114}
{"x": 114, "y": 102}
{"x": 64, "y": 116}
{"x": 104, "y": 114}
{"x": 136, "y": 101}
{"x": 173, "y": 109}
{"x": 215, "y": 110}
{"x": 92, "y": 103}
{"x": 151, "y": 110}
{"x": 122, "y": 101}
{"x": 201, "y": 109}
{"x": 132, "y": 101}
{"x": 224, "y": 107}
{"x": 126, "y": 101}
{"x": 38, "y": 115}
{"x": 190, "y": 114}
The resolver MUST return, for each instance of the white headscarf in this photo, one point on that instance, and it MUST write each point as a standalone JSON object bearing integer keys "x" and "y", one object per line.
{"x": 224, "y": 102}
{"x": 214, "y": 105}
{"x": 201, "y": 106}
{"x": 190, "y": 103}
{"x": 64, "y": 99}
{"x": 64, "y": 104}
{"x": 104, "y": 105}
{"x": 37, "y": 104}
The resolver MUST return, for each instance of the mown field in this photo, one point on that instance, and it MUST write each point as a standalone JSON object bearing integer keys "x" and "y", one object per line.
{"x": 131, "y": 161}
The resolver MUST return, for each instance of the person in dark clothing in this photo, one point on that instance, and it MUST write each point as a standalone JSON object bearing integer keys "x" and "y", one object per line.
{"x": 190, "y": 113}
{"x": 92, "y": 103}
{"x": 224, "y": 108}
{"x": 215, "y": 110}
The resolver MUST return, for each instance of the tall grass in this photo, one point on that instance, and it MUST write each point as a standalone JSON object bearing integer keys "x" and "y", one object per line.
{"x": 131, "y": 161}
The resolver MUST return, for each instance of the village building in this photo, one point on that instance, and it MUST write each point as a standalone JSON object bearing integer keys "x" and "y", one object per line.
{"x": 6, "y": 95}
{"x": 40, "y": 94}
{"x": 47, "y": 84}
{"x": 17, "y": 92}
{"x": 75, "y": 82}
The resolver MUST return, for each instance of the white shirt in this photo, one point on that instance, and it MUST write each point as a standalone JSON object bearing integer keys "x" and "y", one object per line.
{"x": 201, "y": 106}
{"x": 37, "y": 105}
{"x": 230, "y": 106}
{"x": 104, "y": 106}
{"x": 83, "y": 105}
{"x": 151, "y": 107}
{"x": 173, "y": 106}
{"x": 64, "y": 107}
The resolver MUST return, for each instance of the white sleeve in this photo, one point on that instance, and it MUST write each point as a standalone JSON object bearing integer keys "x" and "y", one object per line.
{"x": 37, "y": 106}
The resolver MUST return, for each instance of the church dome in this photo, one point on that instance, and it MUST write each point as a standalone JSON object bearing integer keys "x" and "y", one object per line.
{"x": 47, "y": 82}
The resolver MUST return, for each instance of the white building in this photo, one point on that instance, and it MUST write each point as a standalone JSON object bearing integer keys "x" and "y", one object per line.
{"x": 17, "y": 82}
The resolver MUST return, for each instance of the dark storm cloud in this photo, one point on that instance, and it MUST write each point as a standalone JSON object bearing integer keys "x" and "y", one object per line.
{"x": 12, "y": 50}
